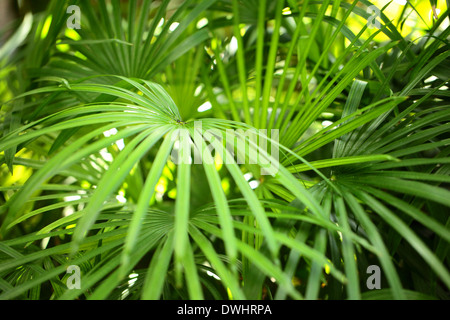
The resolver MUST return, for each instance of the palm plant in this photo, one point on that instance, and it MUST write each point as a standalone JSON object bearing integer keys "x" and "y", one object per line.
{"x": 94, "y": 120}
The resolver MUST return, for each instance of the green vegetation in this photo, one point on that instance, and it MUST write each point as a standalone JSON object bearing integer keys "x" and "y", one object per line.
{"x": 92, "y": 120}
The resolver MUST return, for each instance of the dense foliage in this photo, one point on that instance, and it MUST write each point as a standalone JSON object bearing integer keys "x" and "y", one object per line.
{"x": 94, "y": 119}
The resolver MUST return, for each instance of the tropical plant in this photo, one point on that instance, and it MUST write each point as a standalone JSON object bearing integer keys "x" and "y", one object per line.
{"x": 99, "y": 125}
